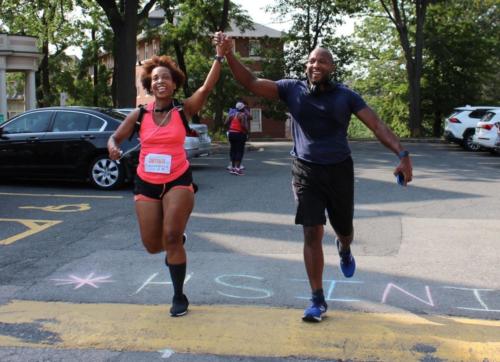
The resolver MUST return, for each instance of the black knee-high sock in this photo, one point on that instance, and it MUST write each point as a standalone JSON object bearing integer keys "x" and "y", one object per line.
{"x": 177, "y": 274}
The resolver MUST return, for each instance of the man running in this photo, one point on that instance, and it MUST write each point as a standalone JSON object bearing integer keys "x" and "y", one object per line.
{"x": 322, "y": 168}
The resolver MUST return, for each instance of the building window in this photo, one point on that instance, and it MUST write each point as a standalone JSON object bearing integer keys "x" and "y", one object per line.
{"x": 254, "y": 48}
{"x": 155, "y": 47}
{"x": 256, "y": 122}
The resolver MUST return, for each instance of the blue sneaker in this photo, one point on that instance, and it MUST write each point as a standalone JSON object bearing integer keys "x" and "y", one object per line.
{"x": 347, "y": 262}
{"x": 315, "y": 311}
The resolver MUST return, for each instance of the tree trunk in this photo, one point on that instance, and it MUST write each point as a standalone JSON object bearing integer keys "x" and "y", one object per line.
{"x": 44, "y": 76}
{"x": 124, "y": 21}
{"x": 437, "y": 124}
{"x": 124, "y": 50}
{"x": 413, "y": 55}
{"x": 179, "y": 54}
{"x": 225, "y": 12}
{"x": 95, "y": 98}
{"x": 219, "y": 111}
{"x": 415, "y": 101}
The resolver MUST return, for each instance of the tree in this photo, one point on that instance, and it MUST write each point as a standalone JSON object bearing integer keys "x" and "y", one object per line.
{"x": 314, "y": 24}
{"x": 188, "y": 31}
{"x": 380, "y": 75}
{"x": 459, "y": 63}
{"x": 47, "y": 20}
{"x": 463, "y": 53}
{"x": 409, "y": 20}
{"x": 124, "y": 20}
{"x": 98, "y": 39}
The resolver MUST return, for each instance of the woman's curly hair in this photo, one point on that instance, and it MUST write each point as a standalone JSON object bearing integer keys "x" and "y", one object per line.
{"x": 161, "y": 61}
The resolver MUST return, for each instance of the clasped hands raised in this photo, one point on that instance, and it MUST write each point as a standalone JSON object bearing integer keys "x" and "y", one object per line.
{"x": 223, "y": 42}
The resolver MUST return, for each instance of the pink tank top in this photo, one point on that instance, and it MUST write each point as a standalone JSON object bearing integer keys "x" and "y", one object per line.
{"x": 162, "y": 158}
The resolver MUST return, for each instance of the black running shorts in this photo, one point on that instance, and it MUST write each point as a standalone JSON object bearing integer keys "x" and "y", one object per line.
{"x": 157, "y": 191}
{"x": 324, "y": 187}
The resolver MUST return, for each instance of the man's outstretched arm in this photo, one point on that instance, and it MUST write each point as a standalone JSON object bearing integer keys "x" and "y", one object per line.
{"x": 388, "y": 139}
{"x": 262, "y": 87}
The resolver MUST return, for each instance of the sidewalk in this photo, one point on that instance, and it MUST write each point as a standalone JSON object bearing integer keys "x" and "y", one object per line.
{"x": 228, "y": 330}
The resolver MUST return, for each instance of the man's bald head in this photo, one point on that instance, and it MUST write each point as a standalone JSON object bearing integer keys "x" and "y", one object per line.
{"x": 323, "y": 51}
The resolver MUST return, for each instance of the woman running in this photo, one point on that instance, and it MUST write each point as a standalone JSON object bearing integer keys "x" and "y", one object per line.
{"x": 164, "y": 192}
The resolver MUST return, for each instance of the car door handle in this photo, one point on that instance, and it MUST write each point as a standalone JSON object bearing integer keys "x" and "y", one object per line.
{"x": 87, "y": 137}
{"x": 33, "y": 139}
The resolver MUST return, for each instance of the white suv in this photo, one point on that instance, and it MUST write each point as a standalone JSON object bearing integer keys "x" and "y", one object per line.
{"x": 461, "y": 124}
{"x": 487, "y": 131}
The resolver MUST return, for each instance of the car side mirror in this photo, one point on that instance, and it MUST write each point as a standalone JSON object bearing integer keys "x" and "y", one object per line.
{"x": 2, "y": 135}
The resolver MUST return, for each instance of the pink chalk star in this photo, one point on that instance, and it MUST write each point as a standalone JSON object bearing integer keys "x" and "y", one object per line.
{"x": 80, "y": 282}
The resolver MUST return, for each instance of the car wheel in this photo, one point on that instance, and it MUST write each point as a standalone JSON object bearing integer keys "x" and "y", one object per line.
{"x": 106, "y": 174}
{"x": 468, "y": 143}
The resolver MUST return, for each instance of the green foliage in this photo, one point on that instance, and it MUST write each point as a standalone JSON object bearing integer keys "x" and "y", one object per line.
{"x": 462, "y": 53}
{"x": 45, "y": 19}
{"x": 314, "y": 24}
{"x": 218, "y": 135}
{"x": 380, "y": 75}
{"x": 86, "y": 91}
{"x": 358, "y": 130}
{"x": 460, "y": 59}
{"x": 59, "y": 25}
{"x": 15, "y": 84}
{"x": 273, "y": 67}
{"x": 189, "y": 39}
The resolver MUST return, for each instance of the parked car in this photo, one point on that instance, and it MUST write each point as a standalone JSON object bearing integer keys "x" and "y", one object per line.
{"x": 497, "y": 142}
{"x": 460, "y": 125}
{"x": 487, "y": 130}
{"x": 196, "y": 145}
{"x": 65, "y": 143}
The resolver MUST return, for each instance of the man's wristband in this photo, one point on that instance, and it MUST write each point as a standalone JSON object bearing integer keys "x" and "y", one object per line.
{"x": 219, "y": 58}
{"x": 403, "y": 154}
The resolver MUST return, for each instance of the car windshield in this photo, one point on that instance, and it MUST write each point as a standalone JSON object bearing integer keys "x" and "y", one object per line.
{"x": 112, "y": 113}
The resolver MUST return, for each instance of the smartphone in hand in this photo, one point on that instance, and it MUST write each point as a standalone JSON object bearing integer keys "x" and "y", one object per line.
{"x": 400, "y": 179}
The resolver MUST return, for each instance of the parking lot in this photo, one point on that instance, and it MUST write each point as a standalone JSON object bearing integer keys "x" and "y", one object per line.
{"x": 74, "y": 271}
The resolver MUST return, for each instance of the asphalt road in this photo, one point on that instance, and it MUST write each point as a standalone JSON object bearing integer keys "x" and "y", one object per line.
{"x": 76, "y": 283}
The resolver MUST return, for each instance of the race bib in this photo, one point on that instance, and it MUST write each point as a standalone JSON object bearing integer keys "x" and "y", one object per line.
{"x": 156, "y": 163}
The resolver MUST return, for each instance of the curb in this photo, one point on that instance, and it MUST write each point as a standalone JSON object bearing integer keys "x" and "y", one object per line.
{"x": 403, "y": 140}
{"x": 223, "y": 147}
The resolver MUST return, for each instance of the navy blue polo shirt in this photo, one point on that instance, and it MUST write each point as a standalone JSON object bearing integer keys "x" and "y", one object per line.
{"x": 320, "y": 122}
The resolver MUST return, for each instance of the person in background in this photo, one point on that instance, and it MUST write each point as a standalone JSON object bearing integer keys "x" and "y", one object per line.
{"x": 322, "y": 167}
{"x": 238, "y": 126}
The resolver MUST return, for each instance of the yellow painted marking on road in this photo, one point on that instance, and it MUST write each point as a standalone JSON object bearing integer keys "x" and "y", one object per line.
{"x": 61, "y": 195}
{"x": 249, "y": 331}
{"x": 34, "y": 226}
{"x": 60, "y": 208}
